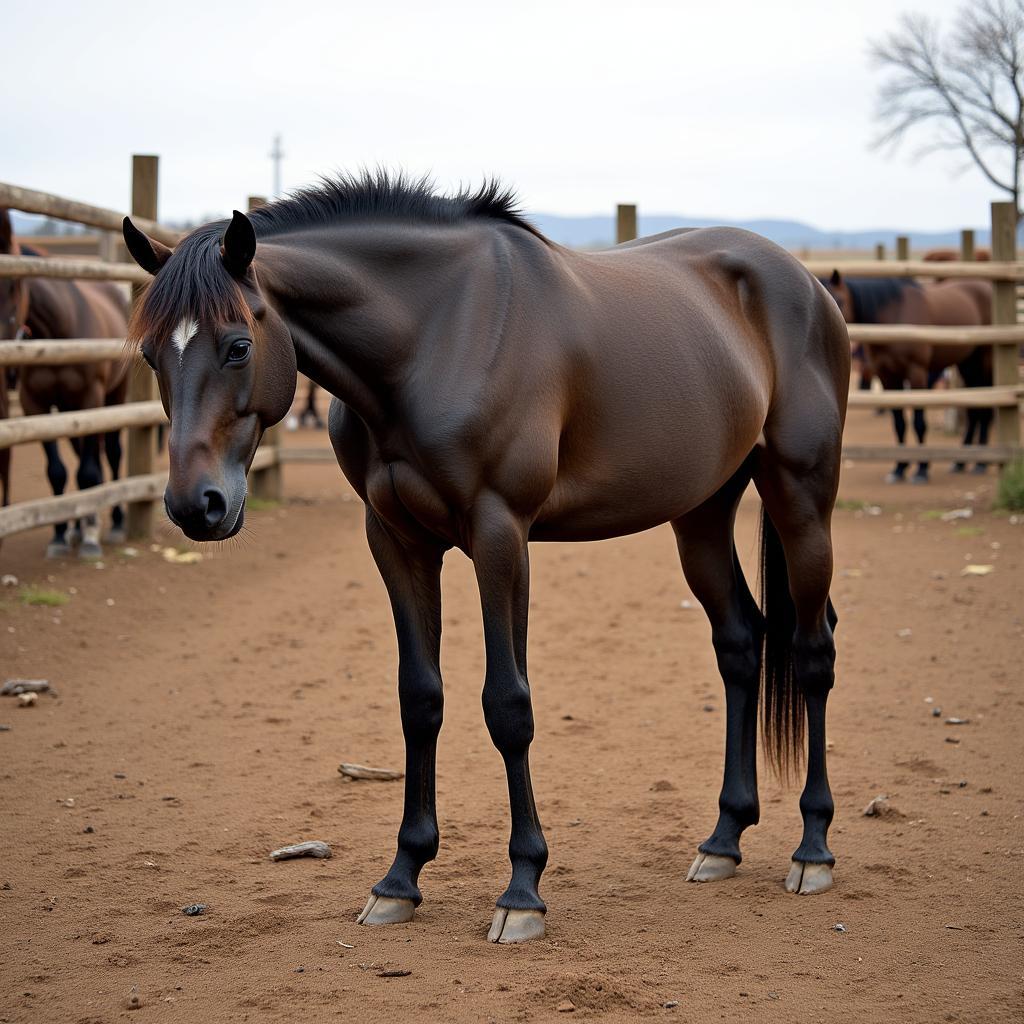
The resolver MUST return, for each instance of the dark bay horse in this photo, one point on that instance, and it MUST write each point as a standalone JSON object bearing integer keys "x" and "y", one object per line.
{"x": 894, "y": 300}
{"x": 57, "y": 309}
{"x": 493, "y": 388}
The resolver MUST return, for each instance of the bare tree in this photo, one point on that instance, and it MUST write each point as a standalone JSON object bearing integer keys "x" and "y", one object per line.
{"x": 968, "y": 86}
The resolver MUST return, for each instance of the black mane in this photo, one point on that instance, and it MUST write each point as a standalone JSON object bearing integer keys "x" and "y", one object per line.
{"x": 382, "y": 194}
{"x": 872, "y": 294}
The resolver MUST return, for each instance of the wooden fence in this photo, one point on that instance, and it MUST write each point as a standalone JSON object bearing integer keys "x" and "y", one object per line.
{"x": 143, "y": 485}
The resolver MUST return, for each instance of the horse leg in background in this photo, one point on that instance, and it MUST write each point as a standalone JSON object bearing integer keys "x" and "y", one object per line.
{"x": 712, "y": 569}
{"x": 921, "y": 431}
{"x": 798, "y": 489}
{"x": 112, "y": 447}
{"x": 919, "y": 378}
{"x": 412, "y": 575}
{"x": 892, "y": 382}
{"x": 57, "y": 474}
{"x": 502, "y": 566}
{"x": 90, "y": 474}
{"x": 310, "y": 409}
{"x": 969, "y": 434}
{"x": 984, "y": 418}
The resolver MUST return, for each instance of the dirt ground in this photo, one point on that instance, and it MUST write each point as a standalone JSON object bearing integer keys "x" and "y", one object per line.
{"x": 202, "y": 710}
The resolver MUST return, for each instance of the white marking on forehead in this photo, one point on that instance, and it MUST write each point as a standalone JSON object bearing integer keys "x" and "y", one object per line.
{"x": 183, "y": 334}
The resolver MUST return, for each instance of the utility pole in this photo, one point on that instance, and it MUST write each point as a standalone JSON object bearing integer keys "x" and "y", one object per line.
{"x": 277, "y": 155}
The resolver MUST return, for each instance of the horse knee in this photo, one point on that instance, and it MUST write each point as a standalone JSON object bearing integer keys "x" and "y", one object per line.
{"x": 57, "y": 474}
{"x": 508, "y": 712}
{"x": 422, "y": 701}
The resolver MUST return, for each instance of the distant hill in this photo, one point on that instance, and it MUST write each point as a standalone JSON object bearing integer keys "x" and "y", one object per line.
{"x": 594, "y": 232}
{"x": 589, "y": 232}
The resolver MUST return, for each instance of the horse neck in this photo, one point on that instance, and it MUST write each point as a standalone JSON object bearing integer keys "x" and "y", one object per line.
{"x": 358, "y": 299}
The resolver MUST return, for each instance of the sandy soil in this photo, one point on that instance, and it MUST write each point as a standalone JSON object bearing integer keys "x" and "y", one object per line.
{"x": 202, "y": 710}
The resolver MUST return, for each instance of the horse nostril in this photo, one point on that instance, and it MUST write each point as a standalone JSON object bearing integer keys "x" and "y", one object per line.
{"x": 216, "y": 507}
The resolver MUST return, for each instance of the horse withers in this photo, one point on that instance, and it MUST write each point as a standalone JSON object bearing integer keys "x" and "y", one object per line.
{"x": 494, "y": 388}
{"x": 951, "y": 302}
{"x": 59, "y": 309}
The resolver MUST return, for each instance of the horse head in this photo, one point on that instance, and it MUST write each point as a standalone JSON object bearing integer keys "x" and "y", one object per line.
{"x": 224, "y": 362}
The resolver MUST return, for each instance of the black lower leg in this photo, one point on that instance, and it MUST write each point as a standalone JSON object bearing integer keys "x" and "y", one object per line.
{"x": 813, "y": 666}
{"x": 57, "y": 474}
{"x": 509, "y": 717}
{"x": 112, "y": 447}
{"x": 738, "y": 653}
{"x": 899, "y": 423}
{"x": 503, "y": 573}
{"x": 921, "y": 432}
{"x": 412, "y": 574}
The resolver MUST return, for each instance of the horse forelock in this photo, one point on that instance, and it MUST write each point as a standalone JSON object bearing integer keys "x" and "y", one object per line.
{"x": 192, "y": 287}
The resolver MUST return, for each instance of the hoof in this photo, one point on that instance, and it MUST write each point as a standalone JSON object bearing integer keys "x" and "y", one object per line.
{"x": 980, "y": 469}
{"x": 58, "y": 549}
{"x": 117, "y": 535}
{"x": 89, "y": 551}
{"x": 895, "y": 478}
{"x": 919, "y": 478}
{"x": 958, "y": 467}
{"x": 386, "y": 910}
{"x": 711, "y": 867}
{"x": 806, "y": 879}
{"x": 516, "y": 926}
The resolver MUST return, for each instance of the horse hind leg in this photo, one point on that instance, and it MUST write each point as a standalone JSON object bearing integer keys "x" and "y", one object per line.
{"x": 112, "y": 449}
{"x": 798, "y": 489}
{"x": 90, "y": 474}
{"x": 57, "y": 474}
{"x": 708, "y": 556}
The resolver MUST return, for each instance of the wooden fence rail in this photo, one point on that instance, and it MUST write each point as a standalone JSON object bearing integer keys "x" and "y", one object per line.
{"x": 29, "y": 200}
{"x": 79, "y": 270}
{"x": 1003, "y": 270}
{"x": 55, "y": 425}
{"x": 62, "y": 353}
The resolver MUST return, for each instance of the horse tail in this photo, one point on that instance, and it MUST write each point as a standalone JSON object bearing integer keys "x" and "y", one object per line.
{"x": 782, "y": 702}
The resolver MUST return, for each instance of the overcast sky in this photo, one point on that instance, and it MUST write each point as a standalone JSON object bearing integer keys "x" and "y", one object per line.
{"x": 714, "y": 109}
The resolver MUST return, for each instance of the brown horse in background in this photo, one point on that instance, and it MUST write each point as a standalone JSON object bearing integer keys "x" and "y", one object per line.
{"x": 893, "y": 300}
{"x": 58, "y": 309}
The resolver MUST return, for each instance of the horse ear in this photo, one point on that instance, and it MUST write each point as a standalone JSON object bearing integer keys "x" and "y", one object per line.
{"x": 239, "y": 245}
{"x": 836, "y": 279}
{"x": 150, "y": 254}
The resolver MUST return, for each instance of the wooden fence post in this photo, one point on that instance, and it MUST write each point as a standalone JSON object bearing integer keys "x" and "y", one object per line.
{"x": 266, "y": 482}
{"x": 880, "y": 250}
{"x": 1004, "y": 311}
{"x": 902, "y": 247}
{"x": 967, "y": 245}
{"x": 625, "y": 223}
{"x": 142, "y": 440}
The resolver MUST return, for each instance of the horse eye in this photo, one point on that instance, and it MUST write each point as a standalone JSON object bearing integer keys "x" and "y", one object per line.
{"x": 239, "y": 351}
{"x": 149, "y": 362}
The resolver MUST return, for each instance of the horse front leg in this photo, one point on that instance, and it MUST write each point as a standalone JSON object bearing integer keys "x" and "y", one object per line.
{"x": 412, "y": 574}
{"x": 501, "y": 562}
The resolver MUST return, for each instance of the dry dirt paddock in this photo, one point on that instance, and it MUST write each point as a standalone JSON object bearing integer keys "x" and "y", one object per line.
{"x": 202, "y": 710}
